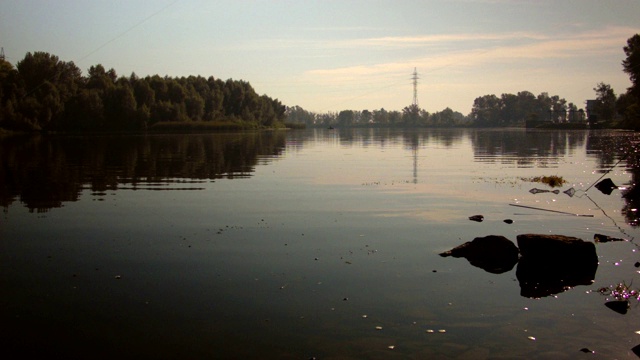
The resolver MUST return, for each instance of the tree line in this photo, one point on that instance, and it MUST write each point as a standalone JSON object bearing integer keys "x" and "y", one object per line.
{"x": 44, "y": 93}
{"x": 410, "y": 116}
{"x": 505, "y": 110}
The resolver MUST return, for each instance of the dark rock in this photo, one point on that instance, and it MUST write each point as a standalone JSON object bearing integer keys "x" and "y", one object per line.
{"x": 606, "y": 186}
{"x": 551, "y": 264}
{"x": 477, "y": 218}
{"x": 604, "y": 238}
{"x": 556, "y": 247}
{"x": 619, "y": 306}
{"x": 508, "y": 221}
{"x": 585, "y": 350}
{"x": 570, "y": 192}
{"x": 495, "y": 254}
{"x": 636, "y": 350}
{"x": 637, "y": 264}
{"x": 538, "y": 191}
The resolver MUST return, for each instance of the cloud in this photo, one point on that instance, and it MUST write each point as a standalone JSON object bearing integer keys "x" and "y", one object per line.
{"x": 479, "y": 50}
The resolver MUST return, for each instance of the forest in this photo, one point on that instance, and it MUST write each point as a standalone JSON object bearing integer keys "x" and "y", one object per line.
{"x": 43, "y": 93}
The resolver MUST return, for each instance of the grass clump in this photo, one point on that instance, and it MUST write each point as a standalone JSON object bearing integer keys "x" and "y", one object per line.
{"x": 553, "y": 181}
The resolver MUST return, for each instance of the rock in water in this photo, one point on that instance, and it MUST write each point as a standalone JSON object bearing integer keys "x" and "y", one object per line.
{"x": 477, "y": 218}
{"x": 495, "y": 254}
{"x": 606, "y": 186}
{"x": 551, "y": 264}
{"x": 604, "y": 238}
{"x": 619, "y": 306}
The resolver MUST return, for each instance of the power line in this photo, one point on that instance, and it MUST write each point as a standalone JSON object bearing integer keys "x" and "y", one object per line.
{"x": 128, "y": 30}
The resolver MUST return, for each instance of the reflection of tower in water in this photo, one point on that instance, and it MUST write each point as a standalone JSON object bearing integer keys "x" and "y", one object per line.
{"x": 415, "y": 143}
{"x": 415, "y": 164}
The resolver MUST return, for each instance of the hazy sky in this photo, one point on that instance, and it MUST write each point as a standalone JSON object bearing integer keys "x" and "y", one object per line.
{"x": 343, "y": 54}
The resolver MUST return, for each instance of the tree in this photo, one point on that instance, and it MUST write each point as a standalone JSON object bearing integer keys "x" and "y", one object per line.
{"x": 631, "y": 64}
{"x": 381, "y": 116}
{"x": 411, "y": 115}
{"x": 49, "y": 84}
{"x": 605, "y": 106}
{"x": 346, "y": 117}
{"x": 629, "y": 105}
{"x": 366, "y": 117}
{"x": 486, "y": 110}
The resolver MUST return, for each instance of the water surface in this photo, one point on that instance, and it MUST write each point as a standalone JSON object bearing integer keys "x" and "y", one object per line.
{"x": 302, "y": 244}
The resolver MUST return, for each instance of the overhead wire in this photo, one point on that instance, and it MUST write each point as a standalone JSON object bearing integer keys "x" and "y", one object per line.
{"x": 105, "y": 44}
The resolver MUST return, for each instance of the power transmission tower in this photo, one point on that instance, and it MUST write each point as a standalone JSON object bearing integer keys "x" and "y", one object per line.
{"x": 415, "y": 86}
{"x": 2, "y": 53}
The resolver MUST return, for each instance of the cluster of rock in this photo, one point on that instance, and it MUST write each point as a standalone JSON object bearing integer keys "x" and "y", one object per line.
{"x": 547, "y": 264}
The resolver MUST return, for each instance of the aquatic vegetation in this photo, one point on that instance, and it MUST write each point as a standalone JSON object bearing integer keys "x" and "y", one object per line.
{"x": 620, "y": 292}
{"x": 553, "y": 180}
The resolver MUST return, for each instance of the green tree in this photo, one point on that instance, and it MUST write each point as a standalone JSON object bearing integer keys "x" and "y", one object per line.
{"x": 381, "y": 116}
{"x": 631, "y": 64}
{"x": 49, "y": 83}
{"x": 411, "y": 115}
{"x": 486, "y": 110}
{"x": 605, "y": 107}
{"x": 346, "y": 118}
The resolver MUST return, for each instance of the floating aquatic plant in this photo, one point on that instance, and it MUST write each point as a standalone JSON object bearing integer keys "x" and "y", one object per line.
{"x": 620, "y": 292}
{"x": 553, "y": 180}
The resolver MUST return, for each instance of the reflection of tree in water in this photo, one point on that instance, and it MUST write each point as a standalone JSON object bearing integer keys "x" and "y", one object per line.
{"x": 43, "y": 171}
{"x": 611, "y": 149}
{"x": 524, "y": 147}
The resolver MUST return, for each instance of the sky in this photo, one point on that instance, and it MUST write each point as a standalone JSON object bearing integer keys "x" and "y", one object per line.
{"x": 327, "y": 55}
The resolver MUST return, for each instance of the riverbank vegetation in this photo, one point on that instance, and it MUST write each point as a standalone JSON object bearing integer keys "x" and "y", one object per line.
{"x": 506, "y": 110}
{"x": 44, "y": 93}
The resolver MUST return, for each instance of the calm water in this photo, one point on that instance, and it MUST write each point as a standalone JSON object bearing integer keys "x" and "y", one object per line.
{"x": 303, "y": 244}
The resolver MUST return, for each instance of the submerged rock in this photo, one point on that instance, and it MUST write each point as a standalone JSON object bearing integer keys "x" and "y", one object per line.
{"x": 538, "y": 191}
{"x": 619, "y": 306}
{"x": 477, "y": 218}
{"x": 604, "y": 238}
{"x": 551, "y": 264}
{"x": 606, "y": 186}
{"x": 495, "y": 254}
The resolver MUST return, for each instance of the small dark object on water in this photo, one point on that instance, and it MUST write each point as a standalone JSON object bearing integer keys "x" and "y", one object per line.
{"x": 606, "y": 186}
{"x": 637, "y": 264}
{"x": 604, "y": 238}
{"x": 636, "y": 350}
{"x": 538, "y": 191}
{"x": 477, "y": 218}
{"x": 585, "y": 350}
{"x": 508, "y": 221}
{"x": 619, "y": 306}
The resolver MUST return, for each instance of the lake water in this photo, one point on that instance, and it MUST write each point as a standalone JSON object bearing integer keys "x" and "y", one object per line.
{"x": 307, "y": 244}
